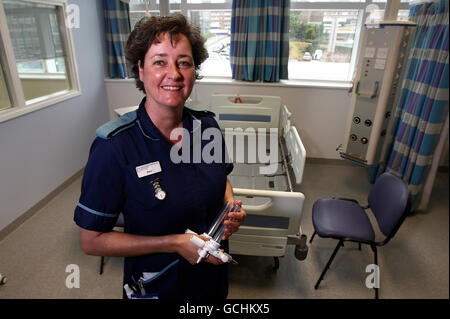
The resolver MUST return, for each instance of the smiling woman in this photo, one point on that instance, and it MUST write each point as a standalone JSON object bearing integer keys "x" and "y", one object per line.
{"x": 165, "y": 69}
{"x": 148, "y": 31}
{"x": 159, "y": 205}
{"x": 168, "y": 74}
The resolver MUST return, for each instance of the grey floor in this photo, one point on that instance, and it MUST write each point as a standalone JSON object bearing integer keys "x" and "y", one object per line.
{"x": 415, "y": 264}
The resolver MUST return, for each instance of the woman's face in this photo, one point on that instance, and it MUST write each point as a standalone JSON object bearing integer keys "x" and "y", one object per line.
{"x": 168, "y": 73}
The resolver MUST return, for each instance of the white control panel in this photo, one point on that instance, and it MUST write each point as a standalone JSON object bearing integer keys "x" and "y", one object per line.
{"x": 382, "y": 61}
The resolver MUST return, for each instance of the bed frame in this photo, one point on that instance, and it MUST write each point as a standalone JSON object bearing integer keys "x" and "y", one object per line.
{"x": 273, "y": 209}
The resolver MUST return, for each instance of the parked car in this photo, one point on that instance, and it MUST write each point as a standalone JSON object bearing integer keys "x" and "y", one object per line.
{"x": 307, "y": 56}
{"x": 317, "y": 54}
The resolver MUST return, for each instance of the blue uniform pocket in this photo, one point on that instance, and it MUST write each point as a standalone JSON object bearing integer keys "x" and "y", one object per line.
{"x": 149, "y": 285}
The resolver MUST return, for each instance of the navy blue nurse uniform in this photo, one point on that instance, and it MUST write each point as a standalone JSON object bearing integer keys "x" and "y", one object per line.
{"x": 194, "y": 196}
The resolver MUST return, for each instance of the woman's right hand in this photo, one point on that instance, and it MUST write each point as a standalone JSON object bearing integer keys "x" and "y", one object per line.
{"x": 188, "y": 250}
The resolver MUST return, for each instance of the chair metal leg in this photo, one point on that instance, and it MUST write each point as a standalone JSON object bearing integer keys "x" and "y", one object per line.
{"x": 312, "y": 237}
{"x": 340, "y": 243}
{"x": 102, "y": 261}
{"x": 277, "y": 263}
{"x": 375, "y": 253}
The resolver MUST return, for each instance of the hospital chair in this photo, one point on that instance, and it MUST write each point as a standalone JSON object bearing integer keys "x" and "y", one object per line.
{"x": 345, "y": 220}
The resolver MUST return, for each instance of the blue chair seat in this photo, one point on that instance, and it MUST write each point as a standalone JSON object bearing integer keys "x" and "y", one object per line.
{"x": 346, "y": 220}
{"x": 341, "y": 219}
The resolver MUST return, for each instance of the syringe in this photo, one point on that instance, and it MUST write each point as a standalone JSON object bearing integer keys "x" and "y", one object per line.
{"x": 218, "y": 235}
{"x": 214, "y": 235}
{"x": 218, "y": 222}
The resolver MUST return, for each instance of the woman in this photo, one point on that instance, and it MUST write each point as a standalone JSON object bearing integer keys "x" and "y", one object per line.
{"x": 130, "y": 170}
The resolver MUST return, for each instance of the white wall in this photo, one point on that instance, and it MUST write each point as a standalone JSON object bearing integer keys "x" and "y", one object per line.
{"x": 320, "y": 114}
{"x": 41, "y": 150}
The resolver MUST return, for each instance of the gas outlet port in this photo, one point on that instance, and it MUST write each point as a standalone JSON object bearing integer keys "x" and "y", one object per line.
{"x": 353, "y": 137}
{"x": 356, "y": 120}
{"x": 364, "y": 140}
{"x": 368, "y": 123}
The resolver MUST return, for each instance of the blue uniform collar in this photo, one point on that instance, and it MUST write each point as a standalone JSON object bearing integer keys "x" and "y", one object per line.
{"x": 149, "y": 129}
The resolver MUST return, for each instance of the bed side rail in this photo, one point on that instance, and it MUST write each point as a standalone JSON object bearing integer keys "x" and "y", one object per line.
{"x": 288, "y": 205}
{"x": 270, "y": 226}
{"x": 296, "y": 153}
{"x": 285, "y": 121}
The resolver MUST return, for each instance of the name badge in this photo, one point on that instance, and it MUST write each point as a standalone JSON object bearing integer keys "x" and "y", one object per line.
{"x": 148, "y": 169}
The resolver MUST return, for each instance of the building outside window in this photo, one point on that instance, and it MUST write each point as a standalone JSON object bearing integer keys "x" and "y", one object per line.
{"x": 321, "y": 44}
{"x": 324, "y": 34}
{"x": 38, "y": 49}
{"x": 36, "y": 54}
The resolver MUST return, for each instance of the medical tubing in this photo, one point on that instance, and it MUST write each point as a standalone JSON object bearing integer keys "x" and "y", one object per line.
{"x": 147, "y": 281}
{"x": 219, "y": 219}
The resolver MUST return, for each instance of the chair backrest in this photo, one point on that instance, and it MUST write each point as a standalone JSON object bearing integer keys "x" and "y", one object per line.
{"x": 388, "y": 200}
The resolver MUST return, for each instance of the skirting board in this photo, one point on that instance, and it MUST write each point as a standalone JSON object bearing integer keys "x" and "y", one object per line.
{"x": 444, "y": 167}
{"x": 328, "y": 161}
{"x": 29, "y": 213}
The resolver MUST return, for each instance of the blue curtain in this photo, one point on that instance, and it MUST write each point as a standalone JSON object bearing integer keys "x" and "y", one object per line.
{"x": 259, "y": 48}
{"x": 117, "y": 30}
{"x": 423, "y": 102}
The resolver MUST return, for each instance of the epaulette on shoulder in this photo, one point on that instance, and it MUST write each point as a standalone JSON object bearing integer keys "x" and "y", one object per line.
{"x": 111, "y": 128}
{"x": 200, "y": 111}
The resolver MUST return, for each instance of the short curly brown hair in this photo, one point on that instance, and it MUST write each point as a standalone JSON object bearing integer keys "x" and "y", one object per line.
{"x": 147, "y": 31}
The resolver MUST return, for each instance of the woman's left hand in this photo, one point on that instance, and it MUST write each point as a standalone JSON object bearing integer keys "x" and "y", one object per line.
{"x": 233, "y": 221}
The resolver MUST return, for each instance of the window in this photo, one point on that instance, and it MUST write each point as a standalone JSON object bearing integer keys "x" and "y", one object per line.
{"x": 139, "y": 8}
{"x": 215, "y": 26}
{"x": 5, "y": 101}
{"x": 324, "y": 34}
{"x": 321, "y": 43}
{"x": 38, "y": 55}
{"x": 213, "y": 17}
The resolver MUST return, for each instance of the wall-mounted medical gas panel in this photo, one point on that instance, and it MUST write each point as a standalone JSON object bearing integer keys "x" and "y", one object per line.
{"x": 376, "y": 87}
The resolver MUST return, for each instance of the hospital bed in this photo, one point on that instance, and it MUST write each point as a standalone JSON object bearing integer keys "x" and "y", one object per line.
{"x": 273, "y": 209}
{"x": 262, "y": 182}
